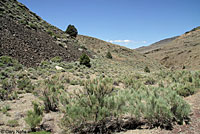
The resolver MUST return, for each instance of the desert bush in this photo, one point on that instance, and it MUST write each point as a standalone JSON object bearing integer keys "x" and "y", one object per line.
{"x": 71, "y": 30}
{"x": 99, "y": 103}
{"x": 33, "y": 26}
{"x": 108, "y": 55}
{"x": 6, "y": 89}
{"x": 50, "y": 32}
{"x": 185, "y": 83}
{"x": 12, "y": 123}
{"x": 89, "y": 105}
{"x": 5, "y": 109}
{"x": 150, "y": 81}
{"x": 159, "y": 106}
{"x": 34, "y": 117}
{"x": 51, "y": 96}
{"x": 85, "y": 60}
{"x": 4, "y": 74}
{"x": 56, "y": 59}
{"x": 45, "y": 64}
{"x": 25, "y": 84}
{"x": 146, "y": 69}
{"x": 3, "y": 94}
{"x": 131, "y": 82}
{"x": 8, "y": 84}
{"x": 6, "y": 61}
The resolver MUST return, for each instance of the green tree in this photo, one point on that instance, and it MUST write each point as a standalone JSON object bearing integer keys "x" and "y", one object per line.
{"x": 72, "y": 31}
{"x": 108, "y": 55}
{"x": 85, "y": 60}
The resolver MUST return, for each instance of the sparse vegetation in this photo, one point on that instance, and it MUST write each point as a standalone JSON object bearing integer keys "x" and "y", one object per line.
{"x": 100, "y": 102}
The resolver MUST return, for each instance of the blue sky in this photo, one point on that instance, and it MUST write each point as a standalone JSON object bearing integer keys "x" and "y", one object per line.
{"x": 131, "y": 23}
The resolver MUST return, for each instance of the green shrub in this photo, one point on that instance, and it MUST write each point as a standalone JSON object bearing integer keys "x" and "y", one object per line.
{"x": 5, "y": 109}
{"x": 146, "y": 69}
{"x": 33, "y": 26}
{"x": 4, "y": 74}
{"x": 150, "y": 81}
{"x": 6, "y": 89}
{"x": 91, "y": 105}
{"x": 85, "y": 60}
{"x": 45, "y": 64}
{"x": 56, "y": 59}
{"x": 185, "y": 83}
{"x": 51, "y": 96}
{"x": 6, "y": 61}
{"x": 25, "y": 84}
{"x": 8, "y": 84}
{"x": 3, "y": 94}
{"x": 12, "y": 123}
{"x": 184, "y": 89}
{"x": 50, "y": 32}
{"x": 71, "y": 30}
{"x": 108, "y": 55}
{"x": 34, "y": 118}
{"x": 99, "y": 103}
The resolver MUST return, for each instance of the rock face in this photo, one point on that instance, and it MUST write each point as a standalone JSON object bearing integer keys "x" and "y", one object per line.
{"x": 29, "y": 46}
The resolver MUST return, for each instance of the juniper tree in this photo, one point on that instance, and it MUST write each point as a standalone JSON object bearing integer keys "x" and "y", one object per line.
{"x": 72, "y": 31}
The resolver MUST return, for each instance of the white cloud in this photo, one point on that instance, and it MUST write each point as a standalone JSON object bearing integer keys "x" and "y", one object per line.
{"x": 127, "y": 41}
{"x": 119, "y": 41}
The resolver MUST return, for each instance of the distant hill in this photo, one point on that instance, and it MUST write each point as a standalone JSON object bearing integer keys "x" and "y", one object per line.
{"x": 182, "y": 52}
{"x": 156, "y": 46}
{"x": 125, "y": 56}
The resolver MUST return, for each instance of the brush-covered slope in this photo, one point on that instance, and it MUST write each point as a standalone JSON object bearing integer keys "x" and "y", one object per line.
{"x": 121, "y": 55}
{"x": 182, "y": 52}
{"x": 29, "y": 39}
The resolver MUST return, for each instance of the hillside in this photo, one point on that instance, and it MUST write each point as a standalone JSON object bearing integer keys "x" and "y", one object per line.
{"x": 155, "y": 46}
{"x": 29, "y": 39}
{"x": 179, "y": 53}
{"x": 121, "y": 55}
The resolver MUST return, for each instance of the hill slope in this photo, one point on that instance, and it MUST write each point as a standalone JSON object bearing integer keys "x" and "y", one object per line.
{"x": 127, "y": 57}
{"x": 178, "y": 53}
{"x": 156, "y": 46}
{"x": 29, "y": 39}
